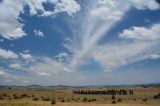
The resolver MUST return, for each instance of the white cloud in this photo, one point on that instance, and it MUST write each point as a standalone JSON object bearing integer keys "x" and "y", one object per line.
{"x": 2, "y": 73}
{"x": 145, "y": 4}
{"x": 155, "y": 56}
{"x": 47, "y": 66}
{"x": 38, "y": 33}
{"x": 69, "y": 6}
{"x": 10, "y": 25}
{"x": 61, "y": 57}
{"x": 146, "y": 42}
{"x": 15, "y": 66}
{"x": 43, "y": 74}
{"x": 115, "y": 55}
{"x": 26, "y": 56}
{"x": 142, "y": 33}
{"x": 7, "y": 54}
{"x": 105, "y": 14}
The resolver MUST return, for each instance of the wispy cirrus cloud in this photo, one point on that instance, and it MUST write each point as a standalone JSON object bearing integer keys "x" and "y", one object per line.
{"x": 105, "y": 14}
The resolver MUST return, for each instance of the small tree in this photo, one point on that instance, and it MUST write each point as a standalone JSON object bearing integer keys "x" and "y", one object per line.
{"x": 53, "y": 102}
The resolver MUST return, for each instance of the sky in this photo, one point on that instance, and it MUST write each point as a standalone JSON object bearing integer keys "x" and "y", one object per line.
{"x": 79, "y": 42}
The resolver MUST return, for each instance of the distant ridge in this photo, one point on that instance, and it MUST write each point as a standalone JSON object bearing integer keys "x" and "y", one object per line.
{"x": 73, "y": 87}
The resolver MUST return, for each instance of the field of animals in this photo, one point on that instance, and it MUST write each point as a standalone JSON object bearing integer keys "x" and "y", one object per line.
{"x": 121, "y": 96}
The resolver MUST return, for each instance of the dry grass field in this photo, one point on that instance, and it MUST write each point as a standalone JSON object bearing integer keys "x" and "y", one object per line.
{"x": 44, "y": 97}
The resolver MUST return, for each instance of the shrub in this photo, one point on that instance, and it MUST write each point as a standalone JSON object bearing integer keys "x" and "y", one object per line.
{"x": 93, "y": 99}
{"x": 24, "y": 95}
{"x": 119, "y": 100}
{"x": 4, "y": 94}
{"x": 35, "y": 99}
{"x": 62, "y": 100}
{"x": 89, "y": 100}
{"x": 114, "y": 102}
{"x": 53, "y": 102}
{"x": 85, "y": 100}
{"x": 144, "y": 100}
{"x": 16, "y": 97}
{"x": 46, "y": 99}
{"x": 155, "y": 97}
{"x": 1, "y": 98}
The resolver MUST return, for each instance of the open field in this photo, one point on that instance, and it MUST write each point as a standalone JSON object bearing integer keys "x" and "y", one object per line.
{"x": 44, "y": 97}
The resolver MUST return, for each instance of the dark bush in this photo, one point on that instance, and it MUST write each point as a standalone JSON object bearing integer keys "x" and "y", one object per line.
{"x": 119, "y": 100}
{"x": 24, "y": 95}
{"x": 155, "y": 97}
{"x": 46, "y": 99}
{"x": 89, "y": 100}
{"x": 85, "y": 100}
{"x": 144, "y": 100}
{"x": 62, "y": 100}
{"x": 53, "y": 102}
{"x": 16, "y": 97}
{"x": 4, "y": 94}
{"x": 1, "y": 98}
{"x": 114, "y": 102}
{"x": 93, "y": 99}
{"x": 35, "y": 99}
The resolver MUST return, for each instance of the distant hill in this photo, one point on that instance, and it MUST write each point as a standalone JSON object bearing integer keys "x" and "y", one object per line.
{"x": 76, "y": 87}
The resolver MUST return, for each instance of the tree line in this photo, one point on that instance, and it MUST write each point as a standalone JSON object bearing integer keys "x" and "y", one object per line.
{"x": 105, "y": 92}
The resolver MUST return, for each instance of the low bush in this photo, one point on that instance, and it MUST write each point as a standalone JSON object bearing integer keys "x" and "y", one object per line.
{"x": 85, "y": 100}
{"x": 46, "y": 98}
{"x": 144, "y": 100}
{"x": 62, "y": 100}
{"x": 114, "y": 102}
{"x": 53, "y": 102}
{"x": 155, "y": 97}
{"x": 35, "y": 99}
{"x": 1, "y": 98}
{"x": 119, "y": 100}
{"x": 24, "y": 95}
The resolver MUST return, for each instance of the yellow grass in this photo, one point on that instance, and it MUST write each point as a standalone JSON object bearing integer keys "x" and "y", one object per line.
{"x": 72, "y": 99}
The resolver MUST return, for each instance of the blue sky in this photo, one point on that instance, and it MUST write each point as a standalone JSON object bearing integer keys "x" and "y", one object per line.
{"x": 78, "y": 42}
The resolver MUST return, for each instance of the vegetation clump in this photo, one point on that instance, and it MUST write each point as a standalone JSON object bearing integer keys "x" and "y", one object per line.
{"x": 24, "y": 95}
{"x": 35, "y": 99}
{"x": 119, "y": 100}
{"x": 46, "y": 99}
{"x": 156, "y": 96}
{"x": 53, "y": 102}
{"x": 85, "y": 100}
{"x": 144, "y": 100}
{"x": 114, "y": 102}
{"x": 62, "y": 100}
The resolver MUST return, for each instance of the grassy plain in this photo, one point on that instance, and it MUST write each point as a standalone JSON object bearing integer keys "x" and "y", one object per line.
{"x": 43, "y": 97}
